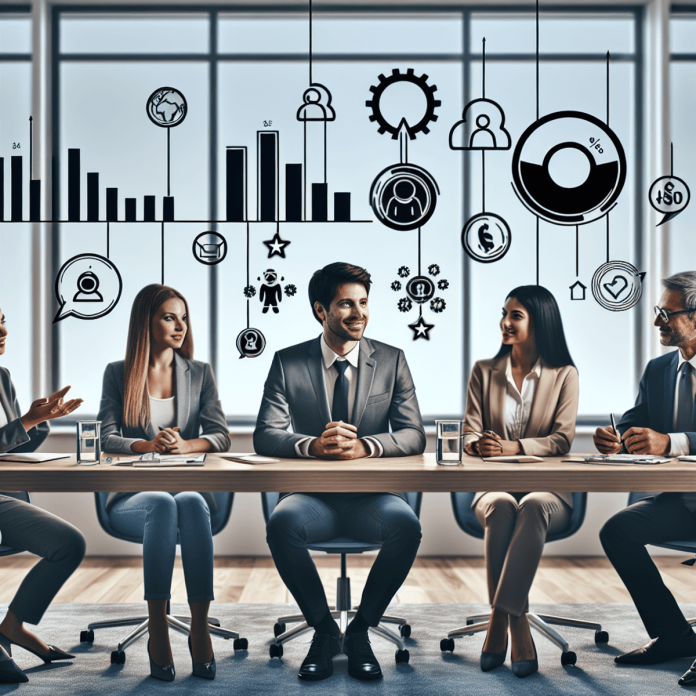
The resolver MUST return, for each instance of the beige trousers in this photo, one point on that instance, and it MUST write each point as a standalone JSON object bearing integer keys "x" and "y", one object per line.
{"x": 516, "y": 525}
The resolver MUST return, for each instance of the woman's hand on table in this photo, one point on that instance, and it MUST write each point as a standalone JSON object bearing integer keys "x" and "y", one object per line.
{"x": 493, "y": 445}
{"x": 159, "y": 444}
{"x": 175, "y": 443}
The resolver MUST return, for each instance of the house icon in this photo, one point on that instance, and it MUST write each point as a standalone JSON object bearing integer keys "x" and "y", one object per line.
{"x": 577, "y": 291}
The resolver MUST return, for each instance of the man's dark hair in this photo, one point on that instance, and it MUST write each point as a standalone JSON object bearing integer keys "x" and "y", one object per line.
{"x": 325, "y": 282}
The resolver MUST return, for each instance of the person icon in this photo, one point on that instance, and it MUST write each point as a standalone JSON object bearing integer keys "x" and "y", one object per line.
{"x": 404, "y": 207}
{"x": 317, "y": 104}
{"x": 270, "y": 293}
{"x": 88, "y": 288}
{"x": 482, "y": 128}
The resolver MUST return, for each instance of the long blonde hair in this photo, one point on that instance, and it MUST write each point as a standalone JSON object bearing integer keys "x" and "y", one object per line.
{"x": 136, "y": 398}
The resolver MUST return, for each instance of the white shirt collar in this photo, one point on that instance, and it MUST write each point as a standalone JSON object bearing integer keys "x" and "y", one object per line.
{"x": 536, "y": 370}
{"x": 330, "y": 357}
{"x": 692, "y": 362}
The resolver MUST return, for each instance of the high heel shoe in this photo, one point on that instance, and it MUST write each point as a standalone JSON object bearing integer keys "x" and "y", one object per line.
{"x": 523, "y": 668}
{"x": 491, "y": 660}
{"x": 166, "y": 673}
{"x": 205, "y": 670}
{"x": 52, "y": 655}
{"x": 9, "y": 672}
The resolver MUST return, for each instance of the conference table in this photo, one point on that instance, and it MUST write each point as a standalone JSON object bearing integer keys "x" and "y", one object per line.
{"x": 416, "y": 473}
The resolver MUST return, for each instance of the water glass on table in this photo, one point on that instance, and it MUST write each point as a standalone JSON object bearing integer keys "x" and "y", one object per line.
{"x": 449, "y": 442}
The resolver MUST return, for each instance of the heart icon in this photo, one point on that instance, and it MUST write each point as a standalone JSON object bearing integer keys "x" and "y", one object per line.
{"x": 616, "y": 287}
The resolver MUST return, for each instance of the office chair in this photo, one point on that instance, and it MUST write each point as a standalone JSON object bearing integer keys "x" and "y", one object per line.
{"x": 218, "y": 521}
{"x": 466, "y": 519}
{"x": 685, "y": 546}
{"x": 343, "y": 609}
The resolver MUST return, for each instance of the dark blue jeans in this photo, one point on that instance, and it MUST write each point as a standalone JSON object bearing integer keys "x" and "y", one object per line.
{"x": 158, "y": 518}
{"x": 376, "y": 518}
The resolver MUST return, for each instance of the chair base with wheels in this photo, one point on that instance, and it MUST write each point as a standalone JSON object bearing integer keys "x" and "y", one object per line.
{"x": 541, "y": 622}
{"x": 218, "y": 520}
{"x": 466, "y": 519}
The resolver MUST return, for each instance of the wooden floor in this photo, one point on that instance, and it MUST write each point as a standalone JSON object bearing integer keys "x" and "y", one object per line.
{"x": 452, "y": 579}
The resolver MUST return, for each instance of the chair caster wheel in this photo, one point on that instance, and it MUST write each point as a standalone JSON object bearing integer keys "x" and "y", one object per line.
{"x": 276, "y": 650}
{"x": 601, "y": 637}
{"x": 118, "y": 657}
{"x": 447, "y": 645}
{"x": 278, "y": 629}
{"x": 402, "y": 656}
{"x": 568, "y": 658}
{"x": 405, "y": 631}
{"x": 87, "y": 636}
{"x": 240, "y": 644}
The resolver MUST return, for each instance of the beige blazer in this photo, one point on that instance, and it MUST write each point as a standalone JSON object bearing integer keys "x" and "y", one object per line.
{"x": 550, "y": 430}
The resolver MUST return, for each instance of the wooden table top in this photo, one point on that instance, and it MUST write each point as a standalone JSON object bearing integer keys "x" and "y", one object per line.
{"x": 418, "y": 473}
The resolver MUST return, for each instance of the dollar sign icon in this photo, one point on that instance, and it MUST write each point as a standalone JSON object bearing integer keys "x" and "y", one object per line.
{"x": 485, "y": 239}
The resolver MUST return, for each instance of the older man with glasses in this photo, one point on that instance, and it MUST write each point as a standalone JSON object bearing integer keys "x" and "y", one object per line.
{"x": 662, "y": 422}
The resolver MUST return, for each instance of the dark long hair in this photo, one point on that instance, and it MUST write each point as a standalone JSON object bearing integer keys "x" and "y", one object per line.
{"x": 548, "y": 325}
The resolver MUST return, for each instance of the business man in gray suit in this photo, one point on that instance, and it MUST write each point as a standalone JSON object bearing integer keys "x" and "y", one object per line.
{"x": 346, "y": 397}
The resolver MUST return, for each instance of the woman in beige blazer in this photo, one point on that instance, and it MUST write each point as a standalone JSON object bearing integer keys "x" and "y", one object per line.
{"x": 522, "y": 401}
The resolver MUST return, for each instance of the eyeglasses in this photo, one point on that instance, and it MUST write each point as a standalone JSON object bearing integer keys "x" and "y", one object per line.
{"x": 666, "y": 316}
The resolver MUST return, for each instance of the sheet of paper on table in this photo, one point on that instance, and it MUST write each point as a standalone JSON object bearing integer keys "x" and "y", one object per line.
{"x": 249, "y": 458}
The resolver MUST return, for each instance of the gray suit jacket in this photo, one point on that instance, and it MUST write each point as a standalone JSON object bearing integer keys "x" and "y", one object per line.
{"x": 13, "y": 437}
{"x": 198, "y": 410}
{"x": 295, "y": 395}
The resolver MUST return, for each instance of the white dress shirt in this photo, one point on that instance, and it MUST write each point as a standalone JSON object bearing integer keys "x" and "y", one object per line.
{"x": 518, "y": 404}
{"x": 163, "y": 413}
{"x": 679, "y": 442}
{"x": 330, "y": 377}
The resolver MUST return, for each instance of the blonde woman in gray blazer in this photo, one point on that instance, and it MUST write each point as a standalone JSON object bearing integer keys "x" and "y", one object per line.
{"x": 523, "y": 401}
{"x": 161, "y": 400}
{"x": 25, "y": 527}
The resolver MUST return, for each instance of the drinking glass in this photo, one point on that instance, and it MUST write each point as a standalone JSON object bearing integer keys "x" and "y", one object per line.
{"x": 449, "y": 442}
{"x": 88, "y": 442}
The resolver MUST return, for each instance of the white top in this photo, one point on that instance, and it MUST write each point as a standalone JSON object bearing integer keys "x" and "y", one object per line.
{"x": 679, "y": 442}
{"x": 163, "y": 413}
{"x": 3, "y": 417}
{"x": 330, "y": 377}
{"x": 518, "y": 404}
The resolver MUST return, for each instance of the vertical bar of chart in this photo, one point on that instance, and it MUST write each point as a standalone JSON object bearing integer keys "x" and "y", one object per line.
{"x": 35, "y": 200}
{"x": 16, "y": 188}
{"x": 149, "y": 209}
{"x": 130, "y": 209}
{"x": 112, "y": 204}
{"x": 341, "y": 207}
{"x": 2, "y": 189}
{"x": 73, "y": 185}
{"x": 168, "y": 209}
{"x": 267, "y": 156}
{"x": 320, "y": 211}
{"x": 92, "y": 197}
{"x": 236, "y": 165}
{"x": 293, "y": 192}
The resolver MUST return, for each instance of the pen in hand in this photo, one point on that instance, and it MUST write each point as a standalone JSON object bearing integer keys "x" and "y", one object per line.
{"x": 616, "y": 430}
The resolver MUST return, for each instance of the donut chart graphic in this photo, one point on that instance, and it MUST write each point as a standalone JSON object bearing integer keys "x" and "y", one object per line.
{"x": 561, "y": 132}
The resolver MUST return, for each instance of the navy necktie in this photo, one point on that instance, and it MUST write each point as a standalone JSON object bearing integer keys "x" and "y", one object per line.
{"x": 339, "y": 406}
{"x": 685, "y": 400}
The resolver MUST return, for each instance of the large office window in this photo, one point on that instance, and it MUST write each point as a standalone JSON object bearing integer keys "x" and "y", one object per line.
{"x": 243, "y": 73}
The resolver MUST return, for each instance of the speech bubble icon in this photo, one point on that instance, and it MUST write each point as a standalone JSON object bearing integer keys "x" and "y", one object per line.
{"x": 88, "y": 286}
{"x": 669, "y": 195}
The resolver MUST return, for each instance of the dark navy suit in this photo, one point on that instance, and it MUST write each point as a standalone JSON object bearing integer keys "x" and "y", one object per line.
{"x": 659, "y": 518}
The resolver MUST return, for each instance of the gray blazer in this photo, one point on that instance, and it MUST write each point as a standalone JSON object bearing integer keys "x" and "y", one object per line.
{"x": 198, "y": 410}
{"x": 13, "y": 437}
{"x": 295, "y": 395}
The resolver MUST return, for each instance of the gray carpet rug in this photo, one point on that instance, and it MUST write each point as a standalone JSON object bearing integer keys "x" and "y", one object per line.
{"x": 429, "y": 670}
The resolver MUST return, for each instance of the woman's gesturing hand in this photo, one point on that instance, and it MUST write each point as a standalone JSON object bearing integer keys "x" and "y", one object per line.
{"x": 49, "y": 408}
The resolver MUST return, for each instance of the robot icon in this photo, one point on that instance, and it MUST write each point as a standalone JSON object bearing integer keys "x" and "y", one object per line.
{"x": 482, "y": 128}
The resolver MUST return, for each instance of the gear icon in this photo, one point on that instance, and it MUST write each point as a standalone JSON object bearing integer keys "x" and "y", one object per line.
{"x": 442, "y": 284}
{"x": 290, "y": 290}
{"x": 396, "y": 286}
{"x": 384, "y": 84}
{"x": 434, "y": 269}
{"x": 404, "y": 272}
{"x": 405, "y": 304}
{"x": 249, "y": 291}
{"x": 438, "y": 305}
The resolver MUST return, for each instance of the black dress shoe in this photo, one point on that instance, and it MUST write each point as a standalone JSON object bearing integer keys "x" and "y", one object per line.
{"x": 52, "y": 655}
{"x": 362, "y": 663}
{"x": 318, "y": 665}
{"x": 9, "y": 672}
{"x": 523, "y": 668}
{"x": 205, "y": 670}
{"x": 491, "y": 660}
{"x": 661, "y": 649}
{"x": 688, "y": 678}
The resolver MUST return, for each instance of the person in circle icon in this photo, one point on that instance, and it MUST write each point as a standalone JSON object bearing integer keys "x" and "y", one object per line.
{"x": 403, "y": 206}
{"x": 317, "y": 104}
{"x": 483, "y": 135}
{"x": 482, "y": 128}
{"x": 88, "y": 288}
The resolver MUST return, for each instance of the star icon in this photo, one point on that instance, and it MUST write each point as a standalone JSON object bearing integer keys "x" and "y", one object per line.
{"x": 276, "y": 246}
{"x": 421, "y": 329}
